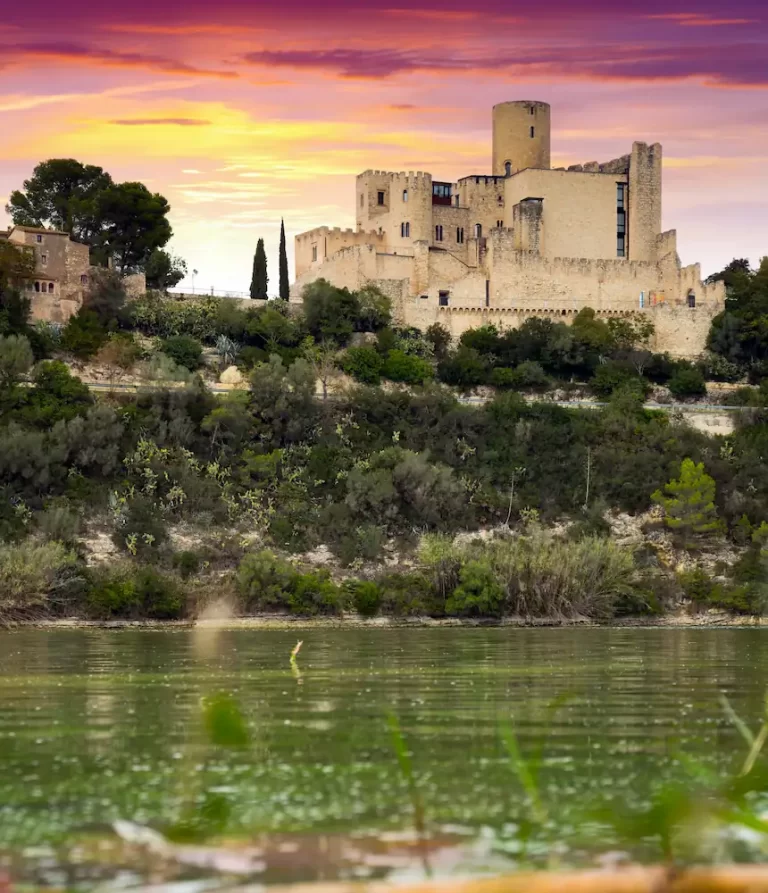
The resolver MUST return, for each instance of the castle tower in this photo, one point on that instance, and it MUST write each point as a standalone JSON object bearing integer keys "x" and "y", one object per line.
{"x": 520, "y": 136}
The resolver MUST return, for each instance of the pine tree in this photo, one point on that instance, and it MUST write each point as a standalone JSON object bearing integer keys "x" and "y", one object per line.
{"x": 689, "y": 507}
{"x": 259, "y": 277}
{"x": 284, "y": 287}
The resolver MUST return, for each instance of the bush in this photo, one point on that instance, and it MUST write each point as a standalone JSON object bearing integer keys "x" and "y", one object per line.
{"x": 705, "y": 592}
{"x": 364, "y": 364}
{"x": 365, "y": 597}
{"x": 184, "y": 350}
{"x": 314, "y": 593}
{"x": 36, "y": 579}
{"x": 84, "y": 334}
{"x": 687, "y": 382}
{"x": 186, "y": 563}
{"x": 463, "y": 369}
{"x": 610, "y": 376}
{"x": 408, "y": 595}
{"x": 478, "y": 593}
{"x": 267, "y": 582}
{"x": 130, "y": 593}
{"x": 141, "y": 529}
{"x": 530, "y": 374}
{"x": 400, "y": 366}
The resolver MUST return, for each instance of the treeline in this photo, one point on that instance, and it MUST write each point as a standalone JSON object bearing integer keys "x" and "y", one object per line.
{"x": 369, "y": 471}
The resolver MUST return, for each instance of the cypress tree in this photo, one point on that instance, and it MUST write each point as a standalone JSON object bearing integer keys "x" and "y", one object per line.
{"x": 284, "y": 287}
{"x": 259, "y": 277}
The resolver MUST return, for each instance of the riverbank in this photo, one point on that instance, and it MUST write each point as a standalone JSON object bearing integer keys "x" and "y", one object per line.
{"x": 704, "y": 619}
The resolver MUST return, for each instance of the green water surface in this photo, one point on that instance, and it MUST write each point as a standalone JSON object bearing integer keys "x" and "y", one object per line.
{"x": 98, "y": 725}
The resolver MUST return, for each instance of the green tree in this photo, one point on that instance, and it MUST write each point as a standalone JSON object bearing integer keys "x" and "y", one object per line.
{"x": 259, "y": 276}
{"x": 687, "y": 382}
{"x": 16, "y": 264}
{"x": 284, "y": 284}
{"x": 689, "y": 503}
{"x": 164, "y": 270}
{"x": 134, "y": 223}
{"x": 63, "y": 194}
{"x": 16, "y": 359}
{"x": 330, "y": 312}
{"x": 105, "y": 296}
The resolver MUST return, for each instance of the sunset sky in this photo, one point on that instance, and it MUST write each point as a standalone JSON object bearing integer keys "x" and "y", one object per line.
{"x": 243, "y": 112}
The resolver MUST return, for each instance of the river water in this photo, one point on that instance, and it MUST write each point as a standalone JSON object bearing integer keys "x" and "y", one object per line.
{"x": 98, "y": 725}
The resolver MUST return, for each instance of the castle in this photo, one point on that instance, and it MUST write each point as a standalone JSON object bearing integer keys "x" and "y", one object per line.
{"x": 525, "y": 240}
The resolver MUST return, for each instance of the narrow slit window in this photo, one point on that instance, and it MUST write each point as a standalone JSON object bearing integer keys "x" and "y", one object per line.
{"x": 533, "y": 132}
{"x": 438, "y": 233}
{"x": 405, "y": 195}
{"x": 314, "y": 253}
{"x": 380, "y": 198}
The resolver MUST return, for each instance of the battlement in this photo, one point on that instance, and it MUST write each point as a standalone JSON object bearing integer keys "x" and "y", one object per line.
{"x": 348, "y": 232}
{"x": 397, "y": 175}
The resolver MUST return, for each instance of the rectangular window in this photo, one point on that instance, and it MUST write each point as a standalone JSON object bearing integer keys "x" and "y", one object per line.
{"x": 621, "y": 221}
{"x": 405, "y": 230}
{"x": 424, "y": 297}
{"x": 499, "y": 223}
{"x": 438, "y": 233}
{"x": 443, "y": 298}
{"x": 314, "y": 252}
{"x": 621, "y": 195}
{"x": 405, "y": 195}
{"x": 44, "y": 260}
{"x": 380, "y": 198}
{"x": 460, "y": 235}
{"x": 39, "y": 238}
{"x": 530, "y": 110}
{"x": 620, "y": 245}
{"x": 84, "y": 279}
{"x": 533, "y": 132}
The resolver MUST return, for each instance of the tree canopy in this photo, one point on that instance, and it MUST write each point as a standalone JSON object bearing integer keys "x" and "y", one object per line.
{"x": 124, "y": 221}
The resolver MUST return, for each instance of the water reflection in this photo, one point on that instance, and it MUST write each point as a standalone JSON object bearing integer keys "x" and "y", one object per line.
{"x": 97, "y": 725}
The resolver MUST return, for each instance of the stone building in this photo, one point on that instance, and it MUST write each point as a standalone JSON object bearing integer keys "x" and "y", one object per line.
{"x": 62, "y": 274}
{"x": 524, "y": 240}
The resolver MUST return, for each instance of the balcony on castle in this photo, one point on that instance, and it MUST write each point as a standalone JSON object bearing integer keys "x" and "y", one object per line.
{"x": 441, "y": 193}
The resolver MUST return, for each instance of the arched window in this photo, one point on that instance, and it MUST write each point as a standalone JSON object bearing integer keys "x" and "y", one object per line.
{"x": 508, "y": 168}
{"x": 478, "y": 230}
{"x": 37, "y": 286}
{"x": 405, "y": 195}
{"x": 50, "y": 288}
{"x": 691, "y": 299}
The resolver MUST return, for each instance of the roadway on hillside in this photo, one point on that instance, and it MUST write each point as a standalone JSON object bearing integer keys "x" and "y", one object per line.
{"x": 102, "y": 386}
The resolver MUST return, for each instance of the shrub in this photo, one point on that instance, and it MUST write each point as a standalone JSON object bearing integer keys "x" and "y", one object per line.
{"x": 408, "y": 595}
{"x": 130, "y": 593}
{"x": 263, "y": 580}
{"x": 141, "y": 528}
{"x": 610, "y": 376}
{"x": 464, "y": 368}
{"x": 548, "y": 577}
{"x": 504, "y": 377}
{"x": 84, "y": 334}
{"x": 400, "y": 366}
{"x": 365, "y": 597}
{"x": 687, "y": 382}
{"x": 530, "y": 374}
{"x": 314, "y": 593}
{"x": 478, "y": 593}
{"x": 184, "y": 350}
{"x": 186, "y": 563}
{"x": 36, "y": 578}
{"x": 365, "y": 364}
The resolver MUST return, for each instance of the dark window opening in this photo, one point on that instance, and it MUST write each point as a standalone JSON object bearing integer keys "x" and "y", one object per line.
{"x": 381, "y": 198}
{"x": 39, "y": 238}
{"x": 533, "y": 132}
{"x": 499, "y": 223}
{"x": 691, "y": 299}
{"x": 487, "y": 292}
{"x": 84, "y": 279}
{"x": 443, "y": 298}
{"x": 438, "y": 233}
{"x": 423, "y": 297}
{"x": 37, "y": 286}
{"x": 620, "y": 245}
{"x": 501, "y": 200}
{"x": 441, "y": 193}
{"x": 621, "y": 221}
{"x": 50, "y": 288}
{"x": 508, "y": 168}
{"x": 405, "y": 195}
{"x": 405, "y": 230}
{"x": 621, "y": 195}
{"x": 460, "y": 235}
{"x": 478, "y": 230}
